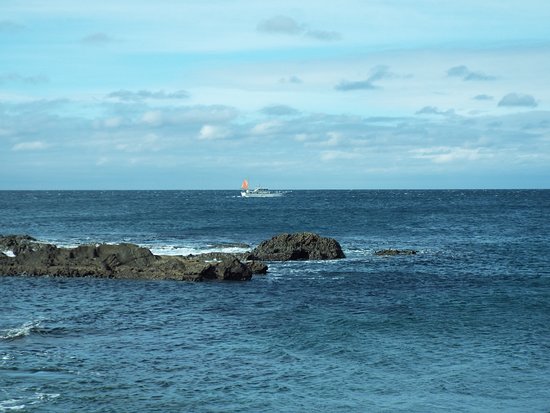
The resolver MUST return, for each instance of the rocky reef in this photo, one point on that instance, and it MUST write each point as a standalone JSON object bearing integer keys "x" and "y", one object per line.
{"x": 24, "y": 255}
{"x": 392, "y": 252}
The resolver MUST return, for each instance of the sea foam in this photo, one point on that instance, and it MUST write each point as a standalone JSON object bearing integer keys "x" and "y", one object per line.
{"x": 19, "y": 332}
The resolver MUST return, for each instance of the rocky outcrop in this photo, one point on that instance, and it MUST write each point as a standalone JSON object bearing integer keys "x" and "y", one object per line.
{"x": 391, "y": 252}
{"x": 24, "y": 255}
{"x": 298, "y": 246}
{"x": 112, "y": 261}
{"x": 256, "y": 266}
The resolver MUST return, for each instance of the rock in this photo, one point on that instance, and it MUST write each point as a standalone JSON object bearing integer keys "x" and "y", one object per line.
{"x": 115, "y": 261}
{"x": 257, "y": 267}
{"x": 391, "y": 252}
{"x": 298, "y": 246}
{"x": 17, "y": 243}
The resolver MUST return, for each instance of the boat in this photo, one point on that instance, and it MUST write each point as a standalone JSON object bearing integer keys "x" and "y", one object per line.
{"x": 258, "y": 192}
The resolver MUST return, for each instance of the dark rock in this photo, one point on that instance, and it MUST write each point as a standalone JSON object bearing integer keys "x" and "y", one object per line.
{"x": 18, "y": 243}
{"x": 115, "y": 261}
{"x": 257, "y": 267}
{"x": 298, "y": 246}
{"x": 391, "y": 252}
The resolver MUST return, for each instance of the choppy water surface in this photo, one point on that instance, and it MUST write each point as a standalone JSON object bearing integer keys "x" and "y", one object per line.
{"x": 461, "y": 326}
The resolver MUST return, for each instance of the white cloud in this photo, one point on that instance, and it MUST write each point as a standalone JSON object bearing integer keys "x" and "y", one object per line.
{"x": 128, "y": 95}
{"x": 445, "y": 154}
{"x": 211, "y": 132}
{"x": 280, "y": 110}
{"x": 152, "y": 117}
{"x": 30, "y": 146}
{"x": 267, "y": 127}
{"x": 112, "y": 122}
{"x": 335, "y": 139}
{"x": 338, "y": 155}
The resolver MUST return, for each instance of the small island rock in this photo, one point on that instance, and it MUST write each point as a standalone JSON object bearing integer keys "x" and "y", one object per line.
{"x": 297, "y": 246}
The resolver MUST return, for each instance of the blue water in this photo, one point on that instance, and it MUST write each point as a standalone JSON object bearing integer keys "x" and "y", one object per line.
{"x": 462, "y": 326}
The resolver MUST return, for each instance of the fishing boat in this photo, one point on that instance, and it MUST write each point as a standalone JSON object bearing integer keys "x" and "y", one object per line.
{"x": 257, "y": 192}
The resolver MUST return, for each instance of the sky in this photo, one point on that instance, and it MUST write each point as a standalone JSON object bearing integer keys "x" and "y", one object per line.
{"x": 199, "y": 94}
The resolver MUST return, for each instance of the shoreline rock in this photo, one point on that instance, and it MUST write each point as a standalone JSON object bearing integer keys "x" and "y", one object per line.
{"x": 113, "y": 261}
{"x": 24, "y": 255}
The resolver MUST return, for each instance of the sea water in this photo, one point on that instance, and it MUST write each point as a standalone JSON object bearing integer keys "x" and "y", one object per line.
{"x": 462, "y": 326}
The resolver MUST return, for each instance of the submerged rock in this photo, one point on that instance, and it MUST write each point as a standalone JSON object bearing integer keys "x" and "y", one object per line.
{"x": 390, "y": 252}
{"x": 297, "y": 246}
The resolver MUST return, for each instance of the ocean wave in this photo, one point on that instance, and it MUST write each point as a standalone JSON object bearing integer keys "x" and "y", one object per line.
{"x": 29, "y": 328}
{"x": 195, "y": 250}
{"x": 13, "y": 405}
{"x": 21, "y": 331}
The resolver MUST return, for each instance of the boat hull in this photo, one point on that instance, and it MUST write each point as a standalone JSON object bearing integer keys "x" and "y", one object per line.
{"x": 253, "y": 194}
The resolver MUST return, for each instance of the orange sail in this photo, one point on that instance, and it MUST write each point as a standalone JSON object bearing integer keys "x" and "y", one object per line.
{"x": 244, "y": 185}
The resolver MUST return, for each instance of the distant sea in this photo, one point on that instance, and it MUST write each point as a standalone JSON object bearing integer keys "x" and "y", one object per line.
{"x": 462, "y": 326}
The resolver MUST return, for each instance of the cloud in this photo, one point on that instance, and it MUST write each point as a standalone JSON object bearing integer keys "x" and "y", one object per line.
{"x": 265, "y": 128}
{"x": 186, "y": 116}
{"x": 211, "y": 132}
{"x": 291, "y": 79}
{"x": 324, "y": 35}
{"x": 9, "y": 26}
{"x": 338, "y": 155}
{"x": 467, "y": 75}
{"x": 29, "y": 146}
{"x": 518, "y": 99}
{"x": 279, "y": 110}
{"x": 281, "y": 25}
{"x": 17, "y": 78}
{"x": 152, "y": 117}
{"x": 432, "y": 110}
{"x": 97, "y": 39}
{"x": 444, "y": 154}
{"x": 377, "y": 73}
{"x": 288, "y": 26}
{"x": 483, "y": 97}
{"x": 346, "y": 85}
{"x": 128, "y": 95}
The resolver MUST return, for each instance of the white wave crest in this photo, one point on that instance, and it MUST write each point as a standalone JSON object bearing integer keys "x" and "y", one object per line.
{"x": 19, "y": 332}
{"x": 11, "y": 405}
{"x": 9, "y": 253}
{"x": 188, "y": 250}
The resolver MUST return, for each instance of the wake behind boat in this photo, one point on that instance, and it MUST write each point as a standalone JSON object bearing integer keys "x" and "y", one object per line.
{"x": 258, "y": 192}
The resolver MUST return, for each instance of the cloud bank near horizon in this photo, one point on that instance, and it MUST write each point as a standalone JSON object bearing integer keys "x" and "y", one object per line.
{"x": 313, "y": 96}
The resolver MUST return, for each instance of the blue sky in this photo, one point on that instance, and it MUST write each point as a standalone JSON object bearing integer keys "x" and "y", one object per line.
{"x": 130, "y": 94}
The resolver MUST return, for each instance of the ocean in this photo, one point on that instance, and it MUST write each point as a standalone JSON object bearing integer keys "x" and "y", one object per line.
{"x": 462, "y": 326}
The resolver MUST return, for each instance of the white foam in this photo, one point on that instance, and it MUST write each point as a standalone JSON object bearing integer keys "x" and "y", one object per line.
{"x": 188, "y": 250}
{"x": 11, "y": 405}
{"x": 9, "y": 253}
{"x": 19, "y": 332}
